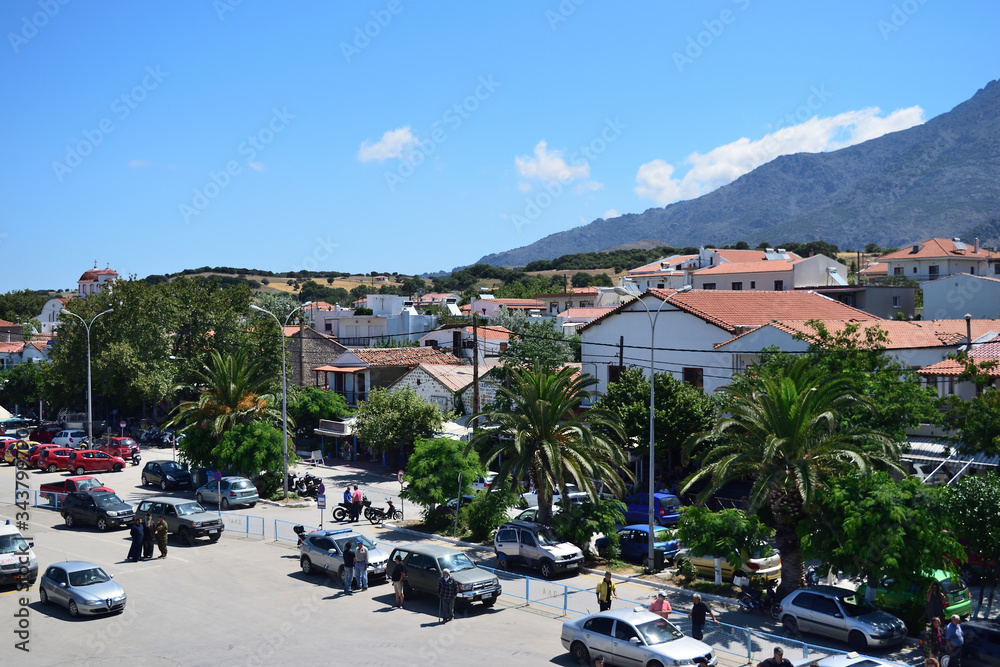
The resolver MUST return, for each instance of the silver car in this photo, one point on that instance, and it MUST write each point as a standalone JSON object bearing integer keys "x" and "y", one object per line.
{"x": 323, "y": 551}
{"x": 84, "y": 588}
{"x": 840, "y": 613}
{"x": 632, "y": 637}
{"x": 227, "y": 492}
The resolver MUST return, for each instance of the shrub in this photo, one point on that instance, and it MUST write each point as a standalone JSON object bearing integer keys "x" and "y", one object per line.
{"x": 579, "y": 523}
{"x": 487, "y": 511}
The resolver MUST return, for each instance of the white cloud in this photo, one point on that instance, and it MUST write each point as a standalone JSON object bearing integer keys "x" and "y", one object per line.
{"x": 726, "y": 163}
{"x": 549, "y": 166}
{"x": 524, "y": 186}
{"x": 610, "y": 213}
{"x": 140, "y": 164}
{"x": 588, "y": 186}
{"x": 257, "y": 166}
{"x": 392, "y": 144}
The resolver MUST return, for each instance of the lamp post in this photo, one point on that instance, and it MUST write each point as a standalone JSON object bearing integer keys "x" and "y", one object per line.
{"x": 90, "y": 406}
{"x": 652, "y": 415}
{"x": 284, "y": 388}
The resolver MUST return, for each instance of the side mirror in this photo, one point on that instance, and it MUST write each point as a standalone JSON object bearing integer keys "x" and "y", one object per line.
{"x": 111, "y": 576}
{"x": 334, "y": 551}
{"x": 634, "y": 640}
{"x": 63, "y": 584}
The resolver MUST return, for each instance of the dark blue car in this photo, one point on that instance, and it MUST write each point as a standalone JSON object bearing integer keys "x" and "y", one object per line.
{"x": 634, "y": 543}
{"x": 666, "y": 509}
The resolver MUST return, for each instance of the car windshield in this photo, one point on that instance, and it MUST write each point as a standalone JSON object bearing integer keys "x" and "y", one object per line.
{"x": 455, "y": 562}
{"x": 127, "y": 442}
{"x": 241, "y": 484}
{"x": 189, "y": 508}
{"x": 659, "y": 631}
{"x": 548, "y": 538}
{"x": 94, "y": 575}
{"x": 88, "y": 484}
{"x": 12, "y": 543}
{"x": 856, "y": 606}
{"x": 949, "y": 587}
{"x": 170, "y": 466}
{"x": 341, "y": 543}
{"x": 669, "y": 503}
{"x": 109, "y": 500}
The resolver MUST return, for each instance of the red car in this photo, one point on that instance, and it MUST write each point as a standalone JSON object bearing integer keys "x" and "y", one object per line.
{"x": 45, "y": 432}
{"x": 92, "y": 460}
{"x": 56, "y": 458}
{"x": 34, "y": 453}
{"x": 126, "y": 448}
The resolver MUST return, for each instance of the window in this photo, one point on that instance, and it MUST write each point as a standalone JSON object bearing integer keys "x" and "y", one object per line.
{"x": 659, "y": 285}
{"x": 753, "y": 284}
{"x": 826, "y": 606}
{"x": 712, "y": 285}
{"x": 527, "y": 539}
{"x": 599, "y": 625}
{"x": 972, "y": 270}
{"x": 737, "y": 286}
{"x": 553, "y": 306}
{"x": 694, "y": 377}
{"x": 895, "y": 302}
{"x": 328, "y": 325}
{"x": 996, "y": 269}
{"x": 779, "y": 285}
{"x": 932, "y": 271}
{"x": 503, "y": 347}
{"x": 624, "y": 631}
{"x": 507, "y": 535}
{"x": 898, "y": 271}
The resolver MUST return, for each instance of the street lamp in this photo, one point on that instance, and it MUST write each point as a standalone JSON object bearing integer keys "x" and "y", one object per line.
{"x": 90, "y": 406}
{"x": 284, "y": 388}
{"x": 621, "y": 291}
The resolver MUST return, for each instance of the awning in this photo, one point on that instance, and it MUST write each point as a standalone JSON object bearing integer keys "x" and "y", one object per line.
{"x": 338, "y": 369}
{"x": 938, "y": 450}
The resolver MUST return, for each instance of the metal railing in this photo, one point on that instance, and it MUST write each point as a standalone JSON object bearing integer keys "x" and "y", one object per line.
{"x": 245, "y": 525}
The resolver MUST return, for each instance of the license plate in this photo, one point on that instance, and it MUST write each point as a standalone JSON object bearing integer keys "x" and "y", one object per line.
{"x": 213, "y": 531}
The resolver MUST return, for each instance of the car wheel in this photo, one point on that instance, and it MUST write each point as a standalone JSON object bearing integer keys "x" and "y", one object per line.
{"x": 857, "y": 641}
{"x": 43, "y": 595}
{"x": 306, "y": 565}
{"x": 224, "y": 503}
{"x": 655, "y": 663}
{"x": 186, "y": 538}
{"x": 254, "y": 504}
{"x": 145, "y": 482}
{"x": 116, "y": 467}
{"x": 945, "y": 660}
{"x": 342, "y": 573}
{"x": 408, "y": 591}
{"x": 199, "y": 498}
{"x": 489, "y": 602}
{"x": 580, "y": 653}
{"x": 790, "y": 624}
{"x": 547, "y": 568}
{"x": 214, "y": 538}
{"x": 52, "y": 467}
{"x": 102, "y": 524}
{"x": 163, "y": 485}
{"x": 80, "y": 470}
{"x": 69, "y": 520}
{"x": 74, "y": 611}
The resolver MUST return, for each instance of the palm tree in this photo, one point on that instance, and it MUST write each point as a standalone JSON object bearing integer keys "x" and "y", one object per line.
{"x": 546, "y": 436}
{"x": 234, "y": 390}
{"x": 784, "y": 431}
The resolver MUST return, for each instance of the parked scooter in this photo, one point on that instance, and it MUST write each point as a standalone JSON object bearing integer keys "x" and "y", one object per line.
{"x": 301, "y": 532}
{"x": 752, "y": 600}
{"x": 378, "y": 515}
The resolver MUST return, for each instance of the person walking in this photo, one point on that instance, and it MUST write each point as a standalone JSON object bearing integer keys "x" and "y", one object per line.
{"x": 361, "y": 565}
{"x": 135, "y": 551}
{"x": 148, "y": 536}
{"x": 161, "y": 536}
{"x": 606, "y": 592}
{"x": 699, "y": 610}
{"x": 349, "y": 502}
{"x": 779, "y": 659}
{"x": 398, "y": 576}
{"x": 954, "y": 639}
{"x": 355, "y": 504}
{"x": 660, "y": 605}
{"x": 348, "y": 568}
{"x": 936, "y": 602}
{"x": 447, "y": 592}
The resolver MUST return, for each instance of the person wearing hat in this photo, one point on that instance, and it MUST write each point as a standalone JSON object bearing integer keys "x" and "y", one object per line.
{"x": 661, "y": 605}
{"x": 779, "y": 659}
{"x": 361, "y": 565}
{"x": 447, "y": 592}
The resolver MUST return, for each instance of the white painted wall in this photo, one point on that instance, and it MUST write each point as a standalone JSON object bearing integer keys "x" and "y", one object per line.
{"x": 953, "y": 297}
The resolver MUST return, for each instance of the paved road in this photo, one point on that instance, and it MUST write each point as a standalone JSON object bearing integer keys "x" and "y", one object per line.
{"x": 244, "y": 601}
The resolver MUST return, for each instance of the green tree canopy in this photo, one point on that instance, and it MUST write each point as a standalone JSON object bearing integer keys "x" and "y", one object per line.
{"x": 20, "y": 305}
{"x": 307, "y": 405}
{"x": 534, "y": 340}
{"x": 724, "y": 535}
{"x": 393, "y": 421}
{"x": 20, "y": 385}
{"x": 431, "y": 474}
{"x": 972, "y": 504}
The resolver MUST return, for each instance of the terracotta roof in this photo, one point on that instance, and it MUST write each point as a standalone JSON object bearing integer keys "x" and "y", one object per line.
{"x": 492, "y": 333}
{"x": 290, "y": 330}
{"x": 321, "y": 305}
{"x": 580, "y": 313}
{"x": 5, "y": 323}
{"x": 404, "y": 356}
{"x": 455, "y": 378}
{"x": 901, "y": 334}
{"x": 989, "y": 351}
{"x": 92, "y": 274}
{"x": 11, "y": 348}
{"x": 748, "y": 267}
{"x": 338, "y": 369}
{"x": 875, "y": 269}
{"x": 433, "y": 297}
{"x": 932, "y": 248}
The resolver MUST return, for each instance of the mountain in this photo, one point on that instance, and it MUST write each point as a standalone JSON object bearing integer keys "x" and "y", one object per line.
{"x": 938, "y": 179}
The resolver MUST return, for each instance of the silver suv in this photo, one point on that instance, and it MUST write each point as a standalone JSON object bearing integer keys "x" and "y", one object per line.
{"x": 323, "y": 551}
{"x": 536, "y": 546}
{"x": 840, "y": 613}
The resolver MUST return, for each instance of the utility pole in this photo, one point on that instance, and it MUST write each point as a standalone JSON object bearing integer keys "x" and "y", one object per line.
{"x": 621, "y": 353}
{"x": 475, "y": 369}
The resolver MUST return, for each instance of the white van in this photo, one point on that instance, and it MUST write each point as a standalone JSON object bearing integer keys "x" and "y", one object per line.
{"x": 17, "y": 560}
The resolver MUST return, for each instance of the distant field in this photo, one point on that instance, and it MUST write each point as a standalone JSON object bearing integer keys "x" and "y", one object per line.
{"x": 570, "y": 272}
{"x": 279, "y": 284}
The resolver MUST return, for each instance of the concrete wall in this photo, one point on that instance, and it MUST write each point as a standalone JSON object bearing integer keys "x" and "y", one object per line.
{"x": 953, "y": 297}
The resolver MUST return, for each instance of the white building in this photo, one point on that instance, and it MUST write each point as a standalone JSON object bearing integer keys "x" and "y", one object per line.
{"x": 961, "y": 294}
{"x": 933, "y": 259}
{"x": 491, "y": 341}
{"x": 94, "y": 280}
{"x": 49, "y": 317}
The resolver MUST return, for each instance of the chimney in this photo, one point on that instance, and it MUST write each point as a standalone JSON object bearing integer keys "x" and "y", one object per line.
{"x": 968, "y": 332}
{"x": 975, "y": 246}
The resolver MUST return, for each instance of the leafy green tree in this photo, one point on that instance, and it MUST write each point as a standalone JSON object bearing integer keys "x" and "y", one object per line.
{"x": 545, "y": 436}
{"x": 256, "y": 450}
{"x": 976, "y": 422}
{"x": 972, "y": 504}
{"x": 534, "y": 340}
{"x": 279, "y": 303}
{"x": 431, "y": 474}
{"x": 20, "y": 305}
{"x": 785, "y": 432}
{"x": 393, "y": 421}
{"x": 578, "y": 523}
{"x": 307, "y": 405}
{"x": 724, "y": 535}
{"x": 602, "y": 280}
{"x": 487, "y": 511}
{"x": 873, "y": 526}
{"x": 20, "y": 385}
{"x": 681, "y": 410}
{"x": 582, "y": 279}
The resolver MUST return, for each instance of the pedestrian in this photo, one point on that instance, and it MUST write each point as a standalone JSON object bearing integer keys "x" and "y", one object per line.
{"x": 660, "y": 605}
{"x": 954, "y": 640}
{"x": 598, "y": 660}
{"x": 398, "y": 576}
{"x": 606, "y": 592}
{"x": 135, "y": 551}
{"x": 361, "y": 565}
{"x": 933, "y": 638}
{"x": 779, "y": 659}
{"x": 348, "y": 568}
{"x": 349, "y": 502}
{"x": 936, "y": 602}
{"x": 698, "y": 612}
{"x": 161, "y": 536}
{"x": 447, "y": 592}
{"x": 148, "y": 536}
{"x": 931, "y": 662}
{"x": 355, "y": 504}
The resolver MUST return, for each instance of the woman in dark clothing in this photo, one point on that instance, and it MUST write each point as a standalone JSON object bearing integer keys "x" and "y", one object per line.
{"x": 135, "y": 551}
{"x": 148, "y": 536}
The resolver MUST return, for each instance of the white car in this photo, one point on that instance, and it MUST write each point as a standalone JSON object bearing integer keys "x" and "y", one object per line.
{"x": 632, "y": 637}
{"x": 852, "y": 659}
{"x": 72, "y": 438}
{"x": 575, "y": 497}
{"x": 483, "y": 482}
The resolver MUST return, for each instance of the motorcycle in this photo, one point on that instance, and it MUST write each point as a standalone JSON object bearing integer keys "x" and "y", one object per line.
{"x": 378, "y": 515}
{"x": 301, "y": 532}
{"x": 752, "y": 600}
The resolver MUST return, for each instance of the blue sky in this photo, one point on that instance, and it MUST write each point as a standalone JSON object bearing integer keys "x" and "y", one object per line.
{"x": 417, "y": 136}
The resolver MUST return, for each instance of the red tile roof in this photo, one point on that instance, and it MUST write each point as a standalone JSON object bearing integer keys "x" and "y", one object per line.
{"x": 901, "y": 334}
{"x": 933, "y": 248}
{"x": 875, "y": 269}
{"x": 492, "y": 333}
{"x": 404, "y": 356}
{"x": 5, "y": 323}
{"x": 580, "y": 313}
{"x": 11, "y": 348}
{"x": 748, "y": 267}
{"x": 92, "y": 274}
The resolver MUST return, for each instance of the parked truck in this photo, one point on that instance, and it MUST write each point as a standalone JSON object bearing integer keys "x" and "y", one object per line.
{"x": 54, "y": 492}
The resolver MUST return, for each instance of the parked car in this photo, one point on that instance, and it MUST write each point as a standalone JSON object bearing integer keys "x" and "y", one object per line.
{"x": 71, "y": 438}
{"x": 764, "y": 562}
{"x": 185, "y": 518}
{"x": 127, "y": 448}
{"x": 536, "y": 546}
{"x": 45, "y": 432}
{"x": 34, "y": 453}
{"x": 13, "y": 547}
{"x": 229, "y": 491}
{"x": 91, "y": 460}
{"x": 452, "y": 504}
{"x": 900, "y": 594}
{"x": 424, "y": 563}
{"x": 99, "y": 508}
{"x": 841, "y": 614}
{"x": 982, "y": 644}
{"x": 55, "y": 458}
{"x": 166, "y": 474}
{"x": 15, "y": 449}
{"x": 83, "y": 588}
{"x": 323, "y": 551}
{"x": 666, "y": 509}
{"x": 575, "y": 497}
{"x": 634, "y": 543}
{"x": 852, "y": 659}
{"x": 633, "y": 636}
{"x": 483, "y": 482}
{"x": 56, "y": 492}
{"x": 531, "y": 514}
